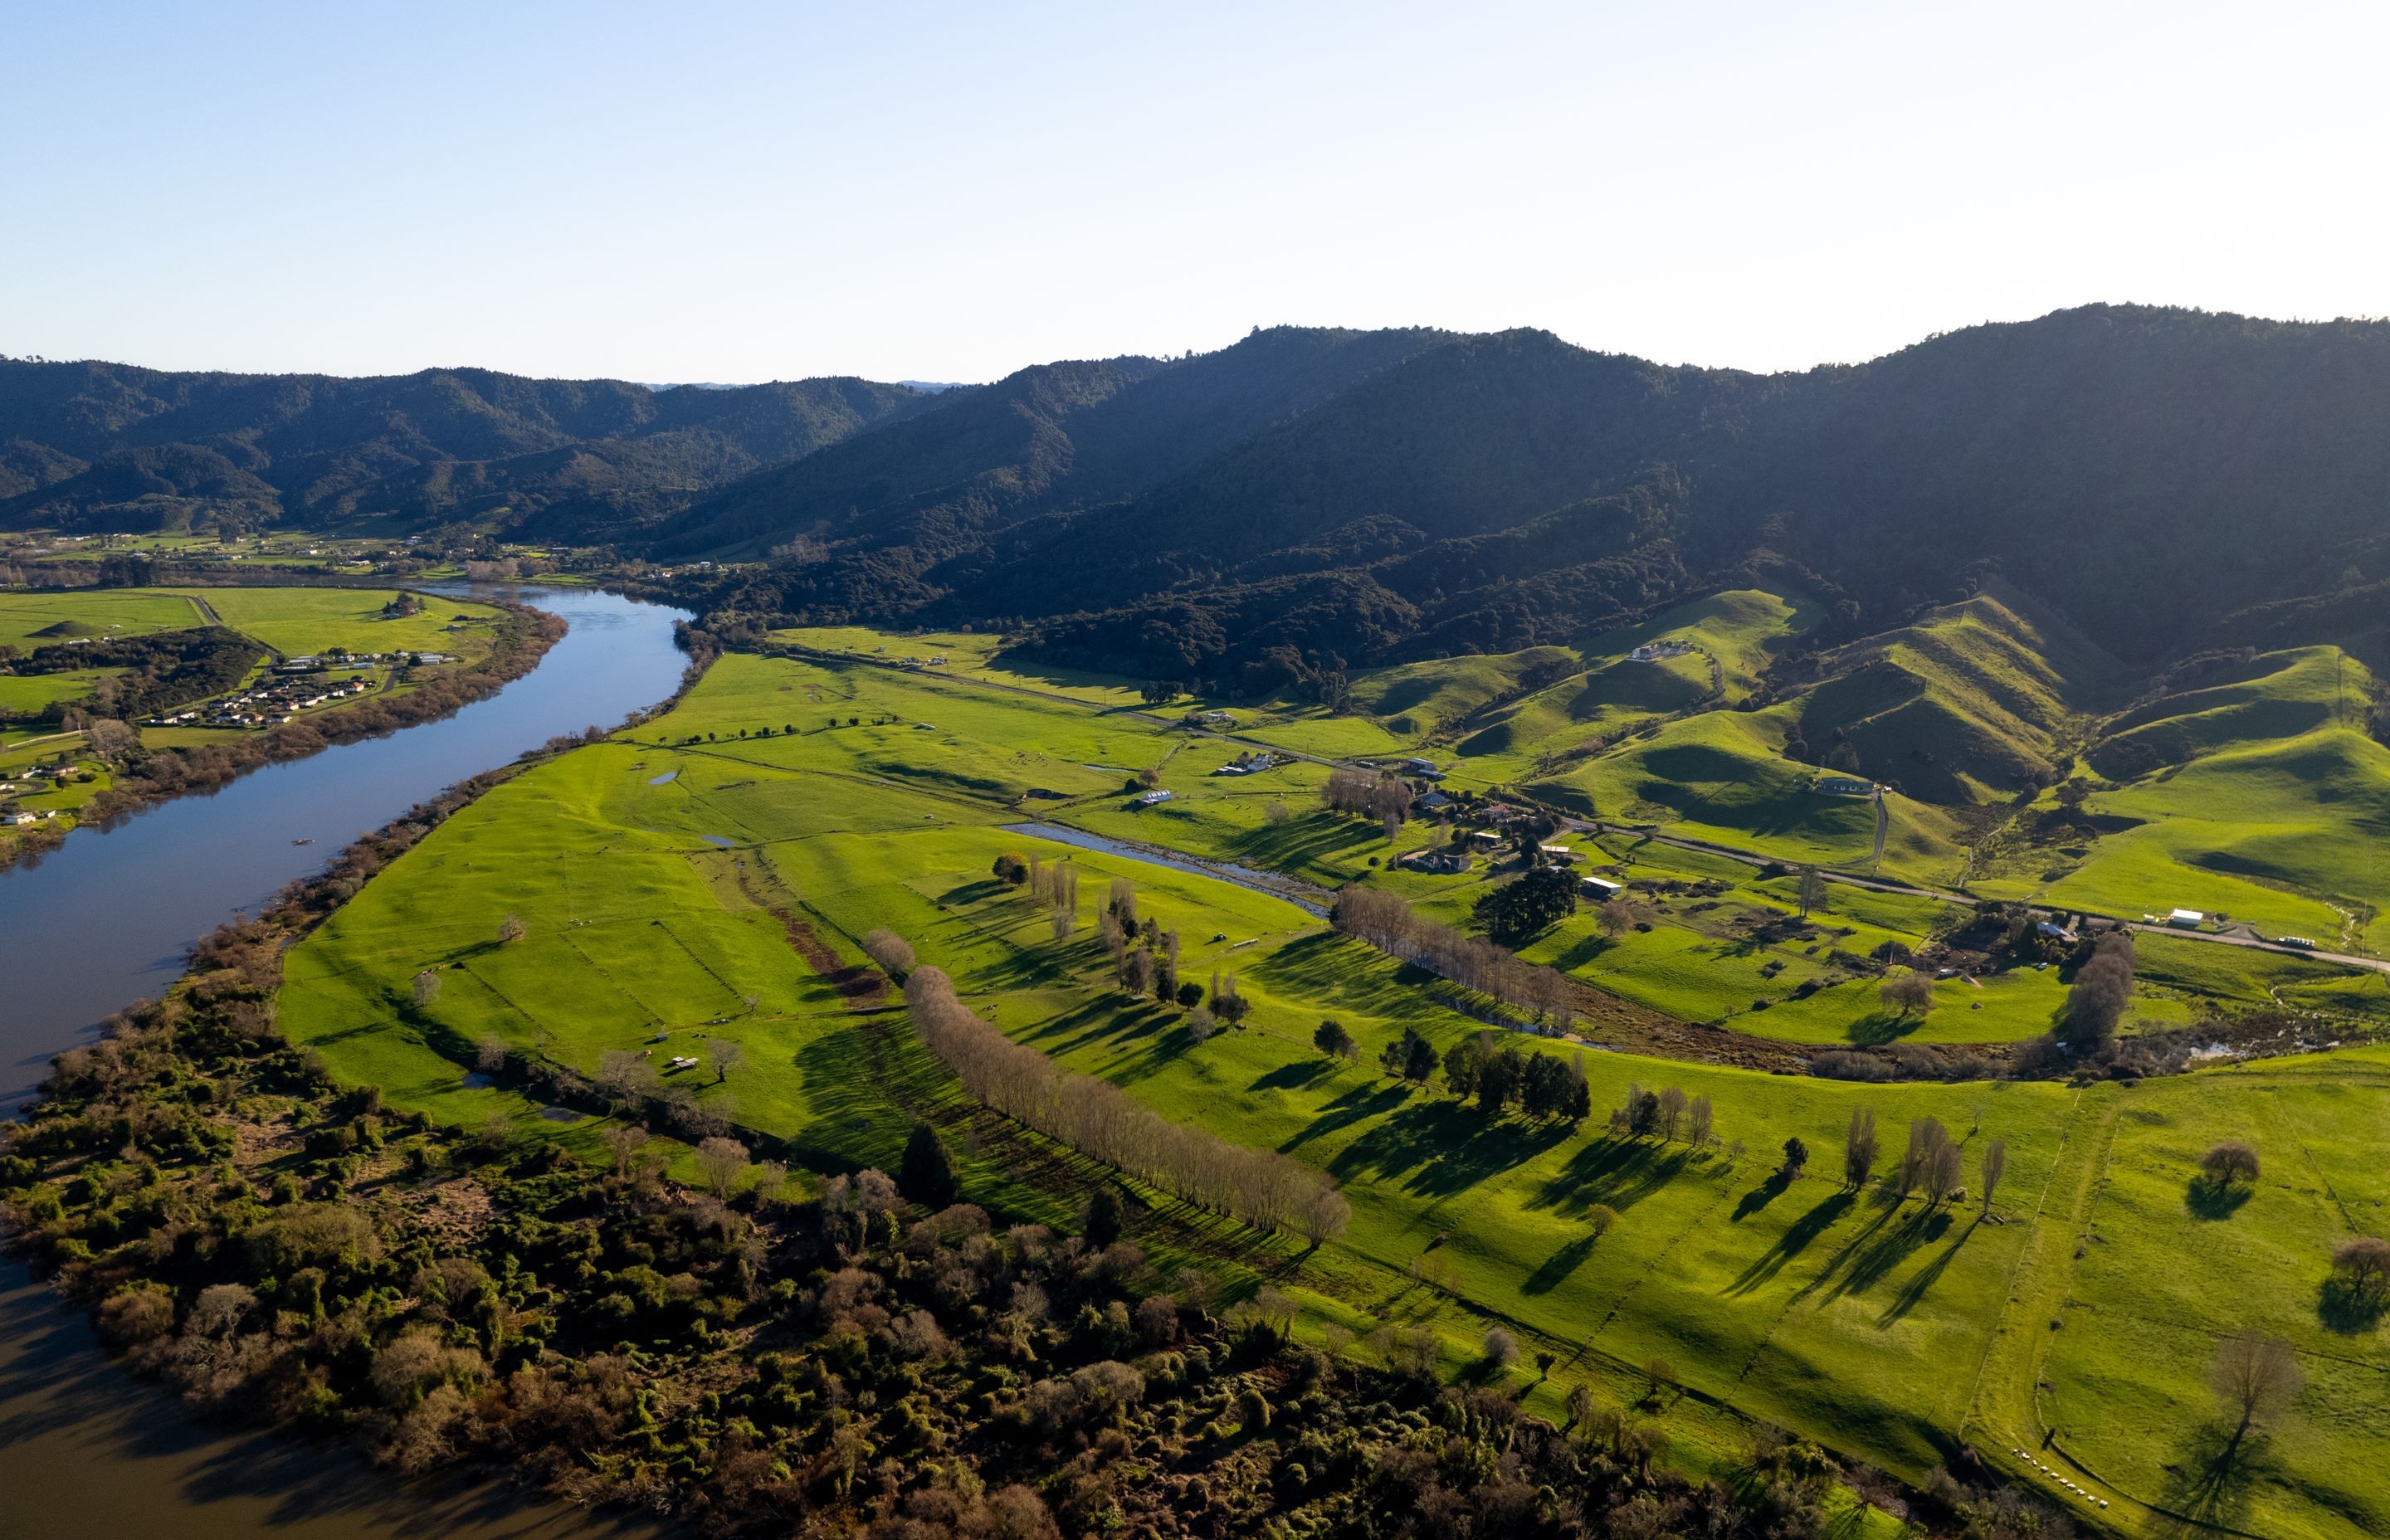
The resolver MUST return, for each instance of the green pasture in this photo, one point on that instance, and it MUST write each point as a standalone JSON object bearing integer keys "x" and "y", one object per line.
{"x": 304, "y": 622}
{"x": 29, "y": 620}
{"x": 981, "y": 656}
{"x": 716, "y": 888}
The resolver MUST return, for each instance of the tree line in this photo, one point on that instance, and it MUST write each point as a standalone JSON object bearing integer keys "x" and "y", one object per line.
{"x": 1386, "y": 922}
{"x": 1259, "y": 1187}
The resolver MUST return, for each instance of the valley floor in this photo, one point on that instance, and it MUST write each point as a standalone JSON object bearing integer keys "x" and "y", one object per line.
{"x": 710, "y": 876}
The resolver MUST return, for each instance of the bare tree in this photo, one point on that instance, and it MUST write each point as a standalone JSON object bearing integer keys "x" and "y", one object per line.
{"x": 626, "y": 1076}
{"x": 720, "y": 1162}
{"x": 891, "y": 951}
{"x": 1501, "y": 1348}
{"x": 2361, "y": 1265}
{"x": 426, "y": 987}
{"x": 1698, "y": 1121}
{"x": 1614, "y": 918}
{"x": 1911, "y": 993}
{"x": 1996, "y": 1164}
{"x": 2255, "y": 1376}
{"x": 1859, "y": 1148}
{"x": 1672, "y": 1113}
{"x": 624, "y": 1139}
{"x": 512, "y": 929}
{"x": 490, "y": 1057}
{"x": 1262, "y": 1187}
{"x": 722, "y": 1055}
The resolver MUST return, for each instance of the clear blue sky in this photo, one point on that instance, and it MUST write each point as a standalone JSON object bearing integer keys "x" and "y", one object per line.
{"x": 722, "y": 192}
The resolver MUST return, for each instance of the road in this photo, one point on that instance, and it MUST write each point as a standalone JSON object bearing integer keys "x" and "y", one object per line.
{"x": 1595, "y": 825}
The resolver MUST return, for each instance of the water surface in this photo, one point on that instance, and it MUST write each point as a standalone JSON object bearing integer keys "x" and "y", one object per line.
{"x": 105, "y": 918}
{"x": 84, "y": 1449}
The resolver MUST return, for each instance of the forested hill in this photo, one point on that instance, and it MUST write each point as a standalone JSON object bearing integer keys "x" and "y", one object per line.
{"x": 2145, "y": 472}
{"x": 1058, "y": 435}
{"x": 107, "y": 446}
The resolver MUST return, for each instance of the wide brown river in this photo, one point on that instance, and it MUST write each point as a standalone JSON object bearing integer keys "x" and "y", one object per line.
{"x": 86, "y": 1453}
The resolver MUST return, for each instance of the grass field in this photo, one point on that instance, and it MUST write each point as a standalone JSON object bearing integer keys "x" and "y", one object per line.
{"x": 698, "y": 884}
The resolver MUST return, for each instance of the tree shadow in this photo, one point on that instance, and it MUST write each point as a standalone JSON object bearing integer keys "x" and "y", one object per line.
{"x": 1888, "y": 1208}
{"x": 2213, "y": 1474}
{"x": 1296, "y": 1075}
{"x": 1912, "y": 1294}
{"x": 1619, "y": 1173}
{"x": 2209, "y": 1199}
{"x": 1357, "y": 1104}
{"x": 1793, "y": 1241}
{"x": 1877, "y": 1028}
{"x": 1554, "y": 1269}
{"x": 1761, "y": 1196}
{"x": 1441, "y": 1147}
{"x": 2350, "y": 1310}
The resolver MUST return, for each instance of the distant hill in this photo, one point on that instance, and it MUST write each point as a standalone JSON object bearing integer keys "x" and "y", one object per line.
{"x": 94, "y": 445}
{"x": 1308, "y": 502}
{"x": 1318, "y": 500}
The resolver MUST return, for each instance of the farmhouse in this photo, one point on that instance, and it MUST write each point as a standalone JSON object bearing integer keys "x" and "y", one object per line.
{"x": 1652, "y": 652}
{"x": 1425, "y": 769}
{"x": 1843, "y": 786}
{"x": 1434, "y": 861}
{"x": 1485, "y": 837}
{"x": 1435, "y": 802}
{"x": 1558, "y": 854}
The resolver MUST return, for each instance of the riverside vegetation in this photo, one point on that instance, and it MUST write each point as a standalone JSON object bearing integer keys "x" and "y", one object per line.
{"x": 678, "y": 949}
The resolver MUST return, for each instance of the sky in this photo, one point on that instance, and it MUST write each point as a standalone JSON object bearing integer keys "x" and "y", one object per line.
{"x": 701, "y": 192}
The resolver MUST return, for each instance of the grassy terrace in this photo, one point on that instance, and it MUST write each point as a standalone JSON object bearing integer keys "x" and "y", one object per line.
{"x": 683, "y": 890}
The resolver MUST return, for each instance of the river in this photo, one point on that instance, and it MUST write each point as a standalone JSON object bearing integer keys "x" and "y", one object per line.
{"x": 85, "y": 1450}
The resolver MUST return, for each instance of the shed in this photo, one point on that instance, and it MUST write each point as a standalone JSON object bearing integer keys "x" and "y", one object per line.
{"x": 1600, "y": 889}
{"x": 2186, "y": 920}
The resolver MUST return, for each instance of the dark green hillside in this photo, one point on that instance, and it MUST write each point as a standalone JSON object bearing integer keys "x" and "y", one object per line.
{"x": 2144, "y": 473}
{"x": 1065, "y": 435}
{"x": 418, "y": 451}
{"x": 144, "y": 490}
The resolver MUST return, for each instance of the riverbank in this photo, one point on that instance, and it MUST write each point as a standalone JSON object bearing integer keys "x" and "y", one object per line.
{"x": 147, "y": 776}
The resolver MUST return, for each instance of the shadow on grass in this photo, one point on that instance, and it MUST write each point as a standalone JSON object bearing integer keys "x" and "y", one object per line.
{"x": 1297, "y": 1075}
{"x": 1876, "y": 1029}
{"x": 1761, "y": 1196}
{"x": 1554, "y": 1270}
{"x": 1885, "y": 1231}
{"x": 2213, "y": 1474}
{"x": 1913, "y": 1293}
{"x": 1361, "y": 1103}
{"x": 2348, "y": 1308}
{"x": 1793, "y": 1241}
{"x": 1582, "y": 951}
{"x": 1440, "y": 1148}
{"x": 2209, "y": 1199}
{"x": 1321, "y": 969}
{"x": 1302, "y": 842}
{"x": 1620, "y": 1172}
